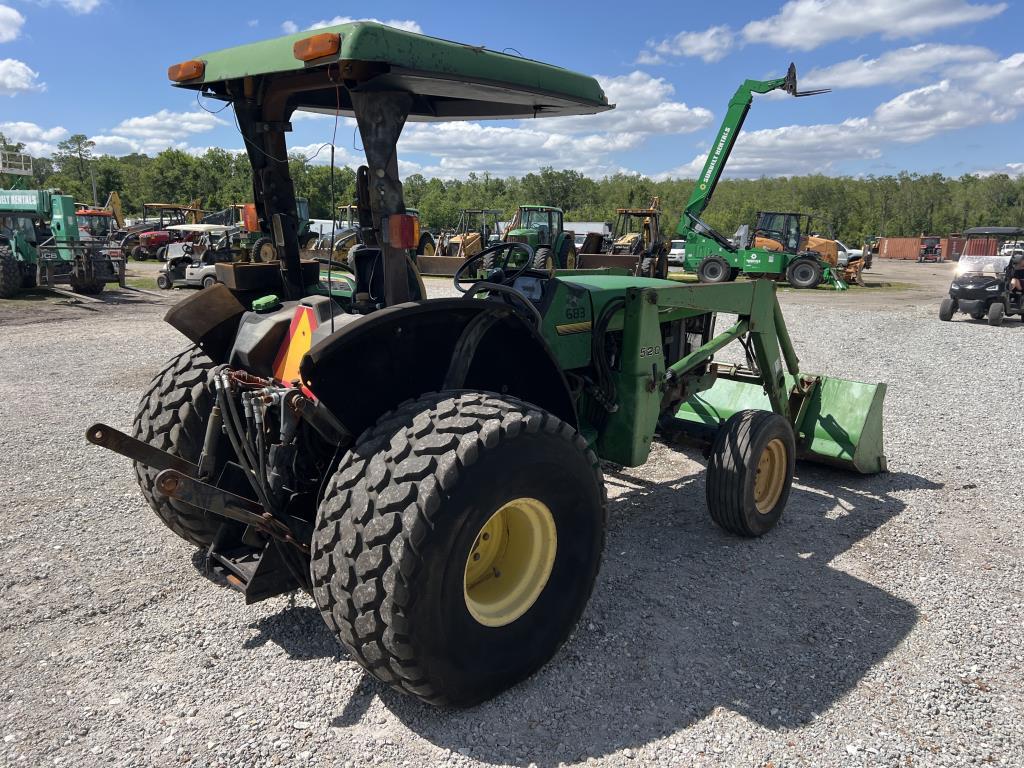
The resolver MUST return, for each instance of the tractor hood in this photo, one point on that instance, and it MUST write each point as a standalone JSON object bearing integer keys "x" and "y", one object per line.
{"x": 449, "y": 81}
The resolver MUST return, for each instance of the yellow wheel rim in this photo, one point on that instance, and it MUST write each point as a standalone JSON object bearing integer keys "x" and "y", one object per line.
{"x": 771, "y": 476}
{"x": 510, "y": 562}
{"x": 429, "y": 249}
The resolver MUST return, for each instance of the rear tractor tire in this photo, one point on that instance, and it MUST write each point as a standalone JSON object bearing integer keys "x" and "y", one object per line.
{"x": 11, "y": 278}
{"x": 458, "y": 543}
{"x": 946, "y": 309}
{"x": 714, "y": 269}
{"x": 172, "y": 416}
{"x": 263, "y": 250}
{"x": 750, "y": 472}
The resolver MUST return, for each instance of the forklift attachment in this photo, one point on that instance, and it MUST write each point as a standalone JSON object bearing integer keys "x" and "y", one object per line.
{"x": 838, "y": 423}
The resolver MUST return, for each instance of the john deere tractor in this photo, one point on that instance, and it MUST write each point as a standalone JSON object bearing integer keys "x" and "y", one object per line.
{"x": 430, "y": 470}
{"x": 540, "y": 227}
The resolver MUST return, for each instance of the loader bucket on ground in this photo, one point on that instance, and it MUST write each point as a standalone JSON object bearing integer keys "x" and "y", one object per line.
{"x": 840, "y": 425}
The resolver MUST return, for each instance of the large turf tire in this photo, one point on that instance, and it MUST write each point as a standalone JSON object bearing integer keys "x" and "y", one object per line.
{"x": 172, "y": 416}
{"x": 11, "y": 279}
{"x": 714, "y": 269}
{"x": 734, "y": 466}
{"x": 398, "y": 523}
{"x": 996, "y": 311}
{"x": 804, "y": 273}
{"x": 263, "y": 250}
{"x": 946, "y": 309}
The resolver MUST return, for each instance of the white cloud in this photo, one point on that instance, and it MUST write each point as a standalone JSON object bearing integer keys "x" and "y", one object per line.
{"x": 253, "y": 22}
{"x": 1003, "y": 79}
{"x": 902, "y": 65}
{"x": 711, "y": 45}
{"x": 644, "y": 105}
{"x": 167, "y": 124}
{"x": 910, "y": 117}
{"x": 807, "y": 24}
{"x": 289, "y": 27}
{"x": 154, "y": 133}
{"x": 17, "y": 77}
{"x": 406, "y": 24}
{"x": 38, "y": 141}
{"x": 81, "y": 6}
{"x": 10, "y": 23}
{"x": 1010, "y": 169}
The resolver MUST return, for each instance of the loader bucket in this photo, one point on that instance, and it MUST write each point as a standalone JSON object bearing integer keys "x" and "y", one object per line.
{"x": 839, "y": 425}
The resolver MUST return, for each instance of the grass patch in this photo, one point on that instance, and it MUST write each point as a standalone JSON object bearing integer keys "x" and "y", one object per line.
{"x": 145, "y": 283}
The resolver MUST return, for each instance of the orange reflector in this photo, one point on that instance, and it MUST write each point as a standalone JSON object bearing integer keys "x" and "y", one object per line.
{"x": 295, "y": 345}
{"x": 317, "y": 46}
{"x": 403, "y": 231}
{"x": 186, "y": 70}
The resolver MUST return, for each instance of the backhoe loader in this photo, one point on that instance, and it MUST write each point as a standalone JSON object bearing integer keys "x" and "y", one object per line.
{"x": 430, "y": 470}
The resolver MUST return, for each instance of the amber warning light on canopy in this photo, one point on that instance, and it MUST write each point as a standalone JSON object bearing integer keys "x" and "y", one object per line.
{"x": 317, "y": 46}
{"x": 186, "y": 70}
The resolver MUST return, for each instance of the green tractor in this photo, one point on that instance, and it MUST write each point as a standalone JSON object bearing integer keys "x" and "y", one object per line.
{"x": 540, "y": 227}
{"x": 430, "y": 470}
{"x": 42, "y": 244}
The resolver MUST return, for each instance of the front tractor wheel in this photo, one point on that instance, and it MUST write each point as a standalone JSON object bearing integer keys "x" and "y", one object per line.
{"x": 10, "y": 273}
{"x": 458, "y": 543}
{"x": 172, "y": 416}
{"x": 750, "y": 472}
{"x": 263, "y": 251}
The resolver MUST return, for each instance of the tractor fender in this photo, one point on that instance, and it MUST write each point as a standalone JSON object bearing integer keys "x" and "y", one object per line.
{"x": 373, "y": 364}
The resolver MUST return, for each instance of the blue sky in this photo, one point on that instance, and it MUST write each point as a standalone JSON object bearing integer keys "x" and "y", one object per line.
{"x": 919, "y": 85}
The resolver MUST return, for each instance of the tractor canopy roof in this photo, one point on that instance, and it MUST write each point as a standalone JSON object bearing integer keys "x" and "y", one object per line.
{"x": 540, "y": 208}
{"x": 448, "y": 80}
{"x": 994, "y": 232}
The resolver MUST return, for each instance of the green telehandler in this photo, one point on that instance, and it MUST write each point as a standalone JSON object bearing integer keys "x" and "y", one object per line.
{"x": 430, "y": 470}
{"x": 717, "y": 259}
{"x": 41, "y": 244}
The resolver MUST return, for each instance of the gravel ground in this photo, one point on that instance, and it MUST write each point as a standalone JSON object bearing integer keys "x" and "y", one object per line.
{"x": 879, "y": 624}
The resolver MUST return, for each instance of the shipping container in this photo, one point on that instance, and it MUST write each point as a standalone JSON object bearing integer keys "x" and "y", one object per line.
{"x": 906, "y": 247}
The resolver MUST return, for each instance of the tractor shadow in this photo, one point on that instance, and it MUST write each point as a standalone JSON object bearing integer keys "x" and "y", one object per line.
{"x": 686, "y": 619}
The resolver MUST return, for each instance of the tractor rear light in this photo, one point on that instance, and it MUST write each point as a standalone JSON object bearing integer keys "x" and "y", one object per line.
{"x": 403, "y": 231}
{"x": 186, "y": 70}
{"x": 317, "y": 46}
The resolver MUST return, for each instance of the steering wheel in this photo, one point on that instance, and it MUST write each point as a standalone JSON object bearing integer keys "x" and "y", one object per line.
{"x": 497, "y": 275}
{"x": 186, "y": 248}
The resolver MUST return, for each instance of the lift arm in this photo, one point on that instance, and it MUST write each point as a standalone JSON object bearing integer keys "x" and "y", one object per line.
{"x": 739, "y": 105}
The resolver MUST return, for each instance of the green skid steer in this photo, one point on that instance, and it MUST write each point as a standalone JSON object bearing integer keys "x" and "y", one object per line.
{"x": 430, "y": 470}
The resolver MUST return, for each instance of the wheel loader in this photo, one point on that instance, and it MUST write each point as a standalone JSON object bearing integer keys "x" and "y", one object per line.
{"x": 431, "y": 470}
{"x": 635, "y": 244}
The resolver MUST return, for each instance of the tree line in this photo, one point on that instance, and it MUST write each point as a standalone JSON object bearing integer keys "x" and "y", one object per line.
{"x": 905, "y": 204}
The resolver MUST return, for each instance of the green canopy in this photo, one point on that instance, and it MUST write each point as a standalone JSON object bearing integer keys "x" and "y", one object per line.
{"x": 449, "y": 81}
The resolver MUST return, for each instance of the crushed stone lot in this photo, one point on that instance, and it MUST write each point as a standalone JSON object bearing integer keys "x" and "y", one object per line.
{"x": 879, "y": 625}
